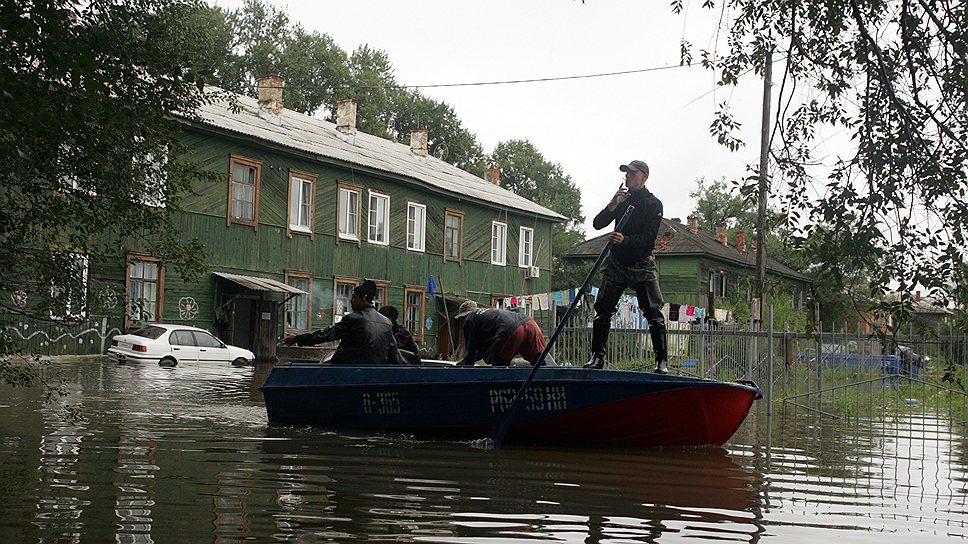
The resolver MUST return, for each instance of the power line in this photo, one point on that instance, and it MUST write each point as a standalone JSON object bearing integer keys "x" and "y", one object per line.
{"x": 510, "y": 81}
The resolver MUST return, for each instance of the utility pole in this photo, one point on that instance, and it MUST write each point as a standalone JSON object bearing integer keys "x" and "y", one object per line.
{"x": 764, "y": 181}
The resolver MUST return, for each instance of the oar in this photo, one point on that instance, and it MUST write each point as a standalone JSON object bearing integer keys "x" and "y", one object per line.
{"x": 497, "y": 432}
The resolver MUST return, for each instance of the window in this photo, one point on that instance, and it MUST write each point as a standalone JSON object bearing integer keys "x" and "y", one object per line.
{"x": 206, "y": 340}
{"x": 145, "y": 288}
{"x": 349, "y": 212}
{"x": 453, "y": 231}
{"x": 244, "y": 191}
{"x": 378, "y": 231}
{"x": 155, "y": 181}
{"x": 499, "y": 243}
{"x": 723, "y": 284}
{"x": 416, "y": 226}
{"x": 413, "y": 311}
{"x": 381, "y": 294}
{"x": 526, "y": 249}
{"x": 69, "y": 300}
{"x": 181, "y": 338}
{"x": 341, "y": 298}
{"x": 297, "y": 307}
{"x": 301, "y": 191}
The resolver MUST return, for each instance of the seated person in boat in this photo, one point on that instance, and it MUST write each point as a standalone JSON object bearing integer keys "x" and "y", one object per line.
{"x": 408, "y": 348}
{"x": 496, "y": 336}
{"x": 366, "y": 336}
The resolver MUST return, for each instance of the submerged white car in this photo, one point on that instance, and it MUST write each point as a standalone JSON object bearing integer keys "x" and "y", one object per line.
{"x": 171, "y": 345}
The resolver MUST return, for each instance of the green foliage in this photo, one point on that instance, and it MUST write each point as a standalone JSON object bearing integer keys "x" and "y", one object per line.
{"x": 526, "y": 172}
{"x": 891, "y": 75}
{"x": 89, "y": 91}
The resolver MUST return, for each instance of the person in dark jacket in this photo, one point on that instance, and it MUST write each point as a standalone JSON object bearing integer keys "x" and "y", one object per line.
{"x": 366, "y": 336}
{"x": 630, "y": 264}
{"x": 496, "y": 336}
{"x": 405, "y": 342}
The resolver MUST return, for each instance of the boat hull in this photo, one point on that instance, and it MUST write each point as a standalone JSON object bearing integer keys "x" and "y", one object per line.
{"x": 562, "y": 405}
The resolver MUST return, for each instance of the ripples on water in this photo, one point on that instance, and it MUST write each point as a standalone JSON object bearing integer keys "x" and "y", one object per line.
{"x": 186, "y": 454}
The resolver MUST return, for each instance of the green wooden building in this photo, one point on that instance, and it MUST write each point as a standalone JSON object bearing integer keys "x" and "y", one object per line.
{"x": 704, "y": 269}
{"x": 307, "y": 209}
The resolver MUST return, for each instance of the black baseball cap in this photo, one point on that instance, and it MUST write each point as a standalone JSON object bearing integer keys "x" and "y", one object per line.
{"x": 635, "y": 165}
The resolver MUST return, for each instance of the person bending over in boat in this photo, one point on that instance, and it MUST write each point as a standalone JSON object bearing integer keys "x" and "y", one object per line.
{"x": 496, "y": 336}
{"x": 408, "y": 348}
{"x": 366, "y": 336}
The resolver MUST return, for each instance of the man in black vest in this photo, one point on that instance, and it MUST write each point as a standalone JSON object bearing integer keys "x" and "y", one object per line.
{"x": 630, "y": 264}
{"x": 366, "y": 336}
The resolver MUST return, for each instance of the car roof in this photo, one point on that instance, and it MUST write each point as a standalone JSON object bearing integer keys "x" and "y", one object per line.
{"x": 170, "y": 327}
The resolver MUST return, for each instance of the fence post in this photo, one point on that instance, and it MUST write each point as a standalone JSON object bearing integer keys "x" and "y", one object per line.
{"x": 769, "y": 354}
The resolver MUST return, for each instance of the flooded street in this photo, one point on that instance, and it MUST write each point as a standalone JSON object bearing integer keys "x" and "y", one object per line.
{"x": 186, "y": 455}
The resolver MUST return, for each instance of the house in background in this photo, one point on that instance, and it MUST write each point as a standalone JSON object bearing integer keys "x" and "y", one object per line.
{"x": 307, "y": 210}
{"x": 697, "y": 268}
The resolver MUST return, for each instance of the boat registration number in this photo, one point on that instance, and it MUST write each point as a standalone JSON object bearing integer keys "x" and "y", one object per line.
{"x": 548, "y": 398}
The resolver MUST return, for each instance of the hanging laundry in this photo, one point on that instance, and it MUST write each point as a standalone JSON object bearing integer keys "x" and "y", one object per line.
{"x": 571, "y": 295}
{"x": 721, "y": 315}
{"x": 700, "y": 313}
{"x": 559, "y": 299}
{"x": 674, "y": 312}
{"x": 595, "y": 293}
{"x": 541, "y": 301}
{"x": 691, "y": 311}
{"x": 431, "y": 286}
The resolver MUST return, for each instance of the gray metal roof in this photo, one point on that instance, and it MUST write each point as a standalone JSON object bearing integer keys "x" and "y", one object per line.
{"x": 261, "y": 284}
{"x": 318, "y": 137}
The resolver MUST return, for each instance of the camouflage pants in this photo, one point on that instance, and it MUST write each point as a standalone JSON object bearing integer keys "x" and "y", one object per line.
{"x": 643, "y": 278}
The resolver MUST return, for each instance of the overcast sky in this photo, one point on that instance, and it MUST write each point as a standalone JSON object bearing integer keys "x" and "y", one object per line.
{"x": 589, "y": 126}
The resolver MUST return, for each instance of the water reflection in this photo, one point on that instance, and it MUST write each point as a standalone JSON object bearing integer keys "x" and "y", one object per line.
{"x": 186, "y": 454}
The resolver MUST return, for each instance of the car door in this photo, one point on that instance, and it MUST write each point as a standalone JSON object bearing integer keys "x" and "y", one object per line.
{"x": 183, "y": 346}
{"x": 210, "y": 349}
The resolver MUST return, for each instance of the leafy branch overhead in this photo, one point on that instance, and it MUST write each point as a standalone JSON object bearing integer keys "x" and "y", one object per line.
{"x": 893, "y": 77}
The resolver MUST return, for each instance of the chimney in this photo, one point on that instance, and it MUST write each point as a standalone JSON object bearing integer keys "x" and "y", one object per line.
{"x": 418, "y": 142}
{"x": 693, "y": 223}
{"x": 741, "y": 241}
{"x": 493, "y": 176}
{"x": 270, "y": 99}
{"x": 346, "y": 119}
{"x": 721, "y": 233}
{"x": 917, "y": 296}
{"x": 675, "y": 220}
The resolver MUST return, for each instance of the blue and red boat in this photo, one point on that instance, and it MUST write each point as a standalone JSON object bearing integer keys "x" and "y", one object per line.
{"x": 562, "y": 405}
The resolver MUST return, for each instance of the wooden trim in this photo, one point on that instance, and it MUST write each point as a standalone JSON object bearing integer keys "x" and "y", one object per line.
{"x": 419, "y": 333}
{"x": 312, "y": 178}
{"x": 252, "y": 163}
{"x": 460, "y": 235}
{"x": 309, "y": 296}
{"x": 143, "y": 257}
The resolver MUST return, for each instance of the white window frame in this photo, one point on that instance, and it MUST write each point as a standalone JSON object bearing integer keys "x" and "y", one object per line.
{"x": 301, "y": 201}
{"x": 158, "y": 281}
{"x": 298, "y": 305}
{"x": 416, "y": 227}
{"x": 155, "y": 178}
{"x": 526, "y": 247}
{"x": 375, "y": 234}
{"x": 499, "y": 243}
{"x": 70, "y": 311}
{"x": 341, "y": 304}
{"x": 348, "y": 215}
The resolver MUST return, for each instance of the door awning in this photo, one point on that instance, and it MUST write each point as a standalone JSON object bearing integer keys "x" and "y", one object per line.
{"x": 261, "y": 284}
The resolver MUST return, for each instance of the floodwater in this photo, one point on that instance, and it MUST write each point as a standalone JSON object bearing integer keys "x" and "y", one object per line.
{"x": 186, "y": 455}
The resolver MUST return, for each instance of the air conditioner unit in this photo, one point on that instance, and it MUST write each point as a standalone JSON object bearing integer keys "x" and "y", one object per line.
{"x": 532, "y": 272}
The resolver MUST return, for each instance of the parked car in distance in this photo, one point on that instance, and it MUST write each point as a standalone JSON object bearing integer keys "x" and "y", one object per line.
{"x": 171, "y": 345}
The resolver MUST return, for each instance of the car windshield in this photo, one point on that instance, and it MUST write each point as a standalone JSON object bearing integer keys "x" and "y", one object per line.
{"x": 149, "y": 331}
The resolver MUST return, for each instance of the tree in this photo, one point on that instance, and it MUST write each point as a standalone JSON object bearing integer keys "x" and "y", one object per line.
{"x": 893, "y": 75}
{"x": 86, "y": 136}
{"x": 526, "y": 172}
{"x": 716, "y": 203}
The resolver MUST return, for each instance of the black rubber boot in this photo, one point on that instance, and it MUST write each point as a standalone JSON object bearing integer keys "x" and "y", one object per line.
{"x": 598, "y": 360}
{"x": 660, "y": 346}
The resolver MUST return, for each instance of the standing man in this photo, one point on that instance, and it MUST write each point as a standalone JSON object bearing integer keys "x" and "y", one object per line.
{"x": 366, "y": 336}
{"x": 498, "y": 335}
{"x": 630, "y": 264}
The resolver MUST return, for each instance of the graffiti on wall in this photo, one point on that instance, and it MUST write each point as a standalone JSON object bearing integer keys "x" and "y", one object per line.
{"x": 87, "y": 339}
{"x": 187, "y": 308}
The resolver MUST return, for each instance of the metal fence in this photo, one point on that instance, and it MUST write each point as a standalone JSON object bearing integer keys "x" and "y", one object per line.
{"x": 837, "y": 374}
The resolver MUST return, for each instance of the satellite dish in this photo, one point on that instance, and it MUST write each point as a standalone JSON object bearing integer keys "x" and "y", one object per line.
{"x": 441, "y": 151}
